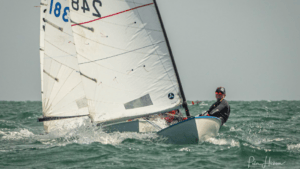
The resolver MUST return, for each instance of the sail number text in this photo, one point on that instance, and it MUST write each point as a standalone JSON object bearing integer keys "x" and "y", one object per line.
{"x": 57, "y": 11}
{"x": 57, "y": 8}
{"x": 85, "y": 6}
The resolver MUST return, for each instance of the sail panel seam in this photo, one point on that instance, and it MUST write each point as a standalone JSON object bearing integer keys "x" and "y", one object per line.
{"x": 104, "y": 44}
{"x": 62, "y": 86}
{"x": 60, "y": 62}
{"x": 66, "y": 96}
{"x": 120, "y": 53}
{"x": 119, "y": 71}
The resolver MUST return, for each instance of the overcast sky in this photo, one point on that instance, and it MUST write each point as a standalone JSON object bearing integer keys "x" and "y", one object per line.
{"x": 250, "y": 47}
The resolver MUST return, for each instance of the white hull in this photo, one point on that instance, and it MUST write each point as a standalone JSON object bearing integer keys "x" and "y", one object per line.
{"x": 140, "y": 126}
{"x": 192, "y": 130}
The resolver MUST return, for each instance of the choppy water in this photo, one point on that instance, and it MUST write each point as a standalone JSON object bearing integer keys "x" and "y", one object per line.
{"x": 258, "y": 134}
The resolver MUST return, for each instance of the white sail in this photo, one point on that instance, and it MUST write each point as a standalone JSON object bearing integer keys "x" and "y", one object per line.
{"x": 43, "y": 10}
{"x": 123, "y": 58}
{"x": 63, "y": 94}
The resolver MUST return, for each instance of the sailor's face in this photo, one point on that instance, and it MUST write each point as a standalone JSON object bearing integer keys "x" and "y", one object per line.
{"x": 219, "y": 95}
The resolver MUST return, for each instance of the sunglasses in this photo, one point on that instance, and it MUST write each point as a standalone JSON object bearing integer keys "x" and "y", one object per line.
{"x": 219, "y": 93}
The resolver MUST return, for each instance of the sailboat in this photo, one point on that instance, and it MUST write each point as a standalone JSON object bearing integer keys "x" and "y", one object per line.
{"x": 110, "y": 61}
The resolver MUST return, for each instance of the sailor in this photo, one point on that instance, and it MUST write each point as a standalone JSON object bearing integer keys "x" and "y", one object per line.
{"x": 221, "y": 108}
{"x": 174, "y": 116}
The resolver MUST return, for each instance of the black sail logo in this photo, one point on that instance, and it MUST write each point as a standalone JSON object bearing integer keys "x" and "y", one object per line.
{"x": 171, "y": 95}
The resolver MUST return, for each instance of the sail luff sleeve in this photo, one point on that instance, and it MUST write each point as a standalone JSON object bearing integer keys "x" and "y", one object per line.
{"x": 173, "y": 60}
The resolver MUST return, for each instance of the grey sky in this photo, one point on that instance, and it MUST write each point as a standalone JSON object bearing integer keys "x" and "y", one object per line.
{"x": 251, "y": 47}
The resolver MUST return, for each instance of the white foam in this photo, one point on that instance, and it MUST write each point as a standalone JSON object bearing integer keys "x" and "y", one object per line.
{"x": 89, "y": 133}
{"x": 233, "y": 129}
{"x": 185, "y": 149}
{"x": 216, "y": 141}
{"x": 293, "y": 147}
{"x": 17, "y": 135}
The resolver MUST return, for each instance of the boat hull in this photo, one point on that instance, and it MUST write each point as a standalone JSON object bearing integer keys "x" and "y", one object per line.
{"x": 140, "y": 126}
{"x": 192, "y": 130}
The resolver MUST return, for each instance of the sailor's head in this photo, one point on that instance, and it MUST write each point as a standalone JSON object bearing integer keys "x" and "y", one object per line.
{"x": 220, "y": 93}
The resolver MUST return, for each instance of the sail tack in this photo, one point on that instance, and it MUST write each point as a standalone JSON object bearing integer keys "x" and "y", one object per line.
{"x": 123, "y": 59}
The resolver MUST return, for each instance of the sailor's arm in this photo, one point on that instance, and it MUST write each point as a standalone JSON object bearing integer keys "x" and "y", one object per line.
{"x": 209, "y": 110}
{"x": 220, "y": 108}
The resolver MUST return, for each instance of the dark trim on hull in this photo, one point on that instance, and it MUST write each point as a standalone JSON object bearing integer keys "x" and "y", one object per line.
{"x": 173, "y": 62}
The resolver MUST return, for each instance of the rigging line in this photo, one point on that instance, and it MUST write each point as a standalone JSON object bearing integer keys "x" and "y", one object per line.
{"x": 159, "y": 55}
{"x": 113, "y": 14}
{"x": 120, "y": 54}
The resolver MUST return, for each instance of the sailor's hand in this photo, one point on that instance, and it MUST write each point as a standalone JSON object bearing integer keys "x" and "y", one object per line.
{"x": 204, "y": 114}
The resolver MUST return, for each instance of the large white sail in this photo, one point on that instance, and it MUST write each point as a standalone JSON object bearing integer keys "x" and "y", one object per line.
{"x": 123, "y": 57}
{"x": 63, "y": 94}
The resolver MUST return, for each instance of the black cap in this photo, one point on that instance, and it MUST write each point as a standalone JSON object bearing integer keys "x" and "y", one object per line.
{"x": 221, "y": 89}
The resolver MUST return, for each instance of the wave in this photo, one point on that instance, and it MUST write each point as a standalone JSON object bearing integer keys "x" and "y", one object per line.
{"x": 217, "y": 141}
{"x": 293, "y": 147}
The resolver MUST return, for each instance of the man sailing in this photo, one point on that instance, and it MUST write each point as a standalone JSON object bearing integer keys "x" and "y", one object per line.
{"x": 221, "y": 108}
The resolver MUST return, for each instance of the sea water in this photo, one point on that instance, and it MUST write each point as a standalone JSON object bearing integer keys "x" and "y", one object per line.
{"x": 258, "y": 134}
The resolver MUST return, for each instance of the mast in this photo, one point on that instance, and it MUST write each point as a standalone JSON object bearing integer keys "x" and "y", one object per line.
{"x": 173, "y": 61}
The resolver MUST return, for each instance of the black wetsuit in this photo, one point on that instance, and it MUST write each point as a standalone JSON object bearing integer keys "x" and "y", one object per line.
{"x": 220, "y": 109}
